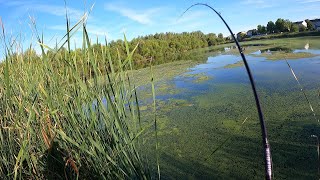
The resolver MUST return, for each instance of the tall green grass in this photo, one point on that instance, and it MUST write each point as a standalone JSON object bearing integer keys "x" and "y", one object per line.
{"x": 58, "y": 121}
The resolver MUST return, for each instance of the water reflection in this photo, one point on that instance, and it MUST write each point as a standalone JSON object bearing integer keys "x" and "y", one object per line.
{"x": 307, "y": 50}
{"x": 306, "y": 47}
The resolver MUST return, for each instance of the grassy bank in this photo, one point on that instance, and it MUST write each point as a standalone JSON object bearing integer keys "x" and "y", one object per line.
{"x": 284, "y": 35}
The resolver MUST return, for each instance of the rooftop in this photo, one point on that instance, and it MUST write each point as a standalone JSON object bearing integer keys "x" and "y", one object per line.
{"x": 315, "y": 20}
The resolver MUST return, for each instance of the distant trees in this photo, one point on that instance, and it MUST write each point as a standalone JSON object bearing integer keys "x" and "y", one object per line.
{"x": 310, "y": 26}
{"x": 241, "y": 36}
{"x": 261, "y": 29}
{"x": 294, "y": 28}
{"x": 254, "y": 32}
{"x": 271, "y": 27}
{"x": 162, "y": 47}
{"x": 165, "y": 47}
{"x": 303, "y": 28}
{"x": 285, "y": 25}
{"x": 211, "y": 39}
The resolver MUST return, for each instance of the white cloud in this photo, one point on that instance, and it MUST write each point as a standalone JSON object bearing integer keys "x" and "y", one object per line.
{"x": 142, "y": 17}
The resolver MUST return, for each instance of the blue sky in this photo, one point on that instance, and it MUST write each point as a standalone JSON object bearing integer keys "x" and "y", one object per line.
{"x": 141, "y": 17}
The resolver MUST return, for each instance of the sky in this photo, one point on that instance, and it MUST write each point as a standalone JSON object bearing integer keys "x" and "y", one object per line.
{"x": 112, "y": 18}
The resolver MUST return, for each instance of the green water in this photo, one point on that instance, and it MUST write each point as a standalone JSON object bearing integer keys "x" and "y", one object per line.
{"x": 199, "y": 110}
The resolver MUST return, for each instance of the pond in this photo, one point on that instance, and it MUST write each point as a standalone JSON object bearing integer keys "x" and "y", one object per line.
{"x": 208, "y": 124}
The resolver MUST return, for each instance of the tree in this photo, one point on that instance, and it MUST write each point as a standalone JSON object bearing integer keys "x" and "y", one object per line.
{"x": 220, "y": 35}
{"x": 309, "y": 25}
{"x": 212, "y": 39}
{"x": 241, "y": 36}
{"x": 280, "y": 25}
{"x": 294, "y": 28}
{"x": 254, "y": 32}
{"x": 271, "y": 27}
{"x": 302, "y": 28}
{"x": 287, "y": 25}
{"x": 259, "y": 29}
{"x": 263, "y": 30}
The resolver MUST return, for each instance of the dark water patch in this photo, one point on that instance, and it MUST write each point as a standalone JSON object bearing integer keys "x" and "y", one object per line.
{"x": 254, "y": 45}
{"x": 273, "y": 49}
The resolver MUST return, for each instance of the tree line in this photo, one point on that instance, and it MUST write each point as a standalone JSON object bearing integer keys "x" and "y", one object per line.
{"x": 168, "y": 47}
{"x": 160, "y": 48}
{"x": 282, "y": 25}
{"x": 165, "y": 47}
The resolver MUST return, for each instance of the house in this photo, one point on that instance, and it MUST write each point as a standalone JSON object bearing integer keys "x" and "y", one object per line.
{"x": 250, "y": 33}
{"x": 301, "y": 24}
{"x": 316, "y": 24}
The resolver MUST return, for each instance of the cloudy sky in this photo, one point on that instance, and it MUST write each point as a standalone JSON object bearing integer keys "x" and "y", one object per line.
{"x": 141, "y": 17}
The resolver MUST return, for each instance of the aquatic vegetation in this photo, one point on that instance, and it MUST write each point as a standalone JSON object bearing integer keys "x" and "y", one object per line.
{"x": 235, "y": 65}
{"x": 172, "y": 69}
{"x": 205, "y": 121}
{"x": 197, "y": 78}
{"x": 285, "y": 55}
{"x": 206, "y": 124}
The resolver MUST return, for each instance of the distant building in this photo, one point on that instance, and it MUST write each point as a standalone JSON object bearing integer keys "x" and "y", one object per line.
{"x": 301, "y": 24}
{"x": 316, "y": 24}
{"x": 250, "y": 33}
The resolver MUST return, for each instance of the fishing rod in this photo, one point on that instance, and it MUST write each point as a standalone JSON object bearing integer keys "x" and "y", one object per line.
{"x": 266, "y": 145}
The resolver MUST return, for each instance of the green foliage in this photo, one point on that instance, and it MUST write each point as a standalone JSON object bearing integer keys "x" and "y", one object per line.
{"x": 271, "y": 27}
{"x": 294, "y": 28}
{"x": 283, "y": 25}
{"x": 59, "y": 122}
{"x": 242, "y": 36}
{"x": 310, "y": 26}
{"x": 254, "y": 32}
{"x": 302, "y": 29}
{"x": 280, "y": 25}
{"x": 261, "y": 29}
{"x": 163, "y": 47}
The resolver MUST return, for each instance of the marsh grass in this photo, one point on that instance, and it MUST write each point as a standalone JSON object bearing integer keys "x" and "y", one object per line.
{"x": 234, "y": 65}
{"x": 284, "y": 55}
{"x": 58, "y": 122}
